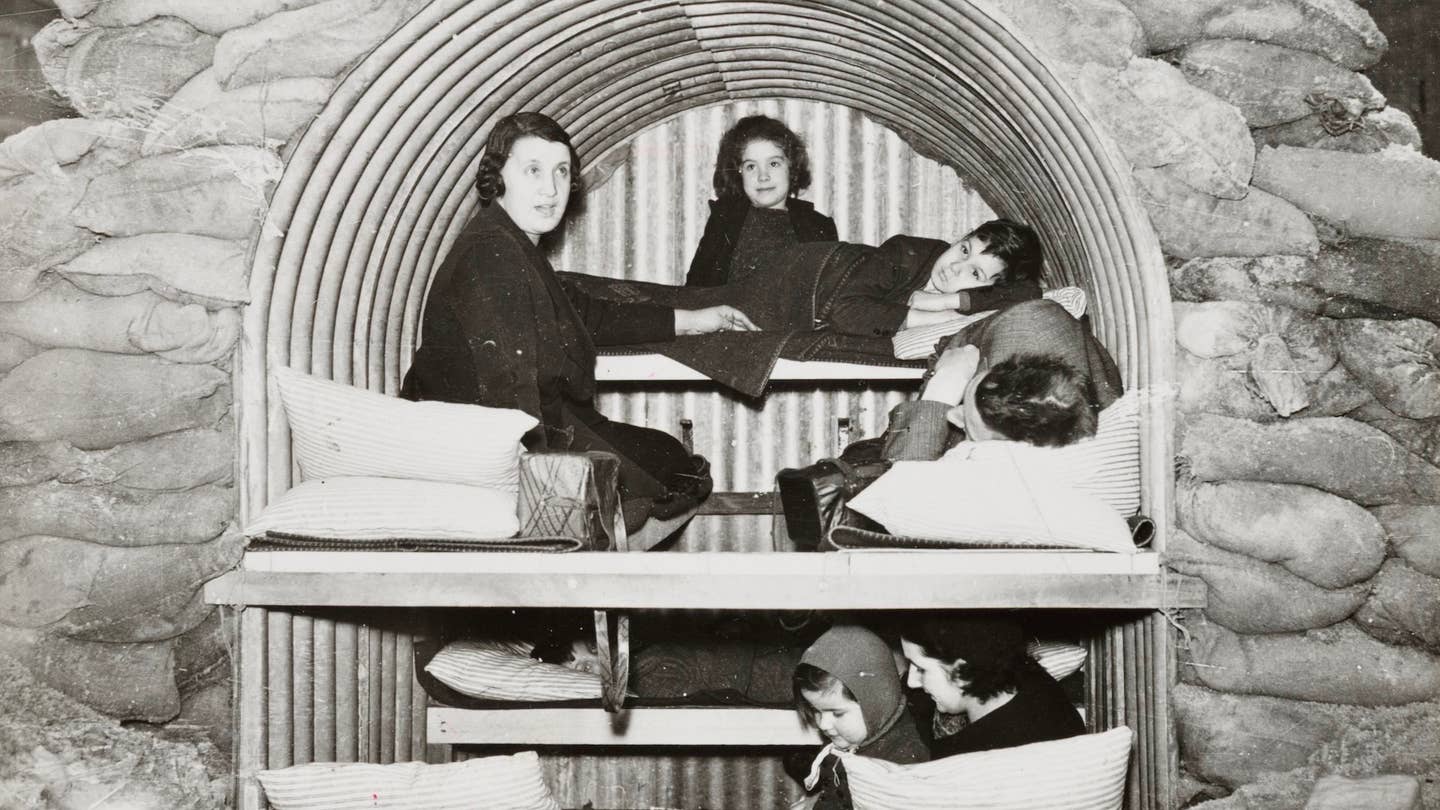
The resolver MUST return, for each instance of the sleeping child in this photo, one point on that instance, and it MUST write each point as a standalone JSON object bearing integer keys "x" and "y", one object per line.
{"x": 848, "y": 686}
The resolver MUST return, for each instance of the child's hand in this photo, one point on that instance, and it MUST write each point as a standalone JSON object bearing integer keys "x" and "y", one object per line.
{"x": 933, "y": 302}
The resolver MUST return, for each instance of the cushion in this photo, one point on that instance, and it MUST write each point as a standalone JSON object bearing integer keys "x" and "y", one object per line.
{"x": 1078, "y": 773}
{"x": 338, "y": 429}
{"x": 498, "y": 670}
{"x": 1005, "y": 495}
{"x": 1059, "y": 658}
{"x": 368, "y": 508}
{"x": 919, "y": 342}
{"x": 511, "y": 782}
{"x": 1107, "y": 465}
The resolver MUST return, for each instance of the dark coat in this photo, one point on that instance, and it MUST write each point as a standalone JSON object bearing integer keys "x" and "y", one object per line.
{"x": 874, "y": 298}
{"x": 501, "y": 330}
{"x": 711, "y": 265}
{"x": 1040, "y": 711}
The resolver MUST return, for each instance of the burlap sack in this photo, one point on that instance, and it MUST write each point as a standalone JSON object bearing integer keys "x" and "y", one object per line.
{"x": 1414, "y": 534}
{"x": 1227, "y": 387}
{"x": 1271, "y": 84}
{"x": 1250, "y": 596}
{"x": 262, "y": 114}
{"x": 1335, "y": 665}
{"x": 14, "y": 351}
{"x": 1374, "y": 131}
{"x": 212, "y": 18}
{"x": 173, "y": 462}
{"x": 1394, "y": 193}
{"x": 1399, "y": 361}
{"x": 125, "y": 681}
{"x": 49, "y": 145}
{"x": 1387, "y": 792}
{"x": 1079, "y": 32}
{"x": 24, "y": 463}
{"x": 180, "y": 266}
{"x": 1419, "y": 437}
{"x": 95, "y": 400}
{"x": 1326, "y": 540}
{"x": 115, "y": 516}
{"x": 1403, "y": 608}
{"x": 1160, "y": 119}
{"x": 1190, "y": 223}
{"x": 1231, "y": 739}
{"x": 1338, "y": 455}
{"x": 38, "y": 233}
{"x": 1338, "y": 30}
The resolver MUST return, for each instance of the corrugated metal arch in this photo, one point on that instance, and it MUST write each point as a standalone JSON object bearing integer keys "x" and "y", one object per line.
{"x": 376, "y": 186}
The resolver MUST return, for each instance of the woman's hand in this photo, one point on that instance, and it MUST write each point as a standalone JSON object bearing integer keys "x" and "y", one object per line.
{"x": 723, "y": 318}
{"x": 953, "y": 371}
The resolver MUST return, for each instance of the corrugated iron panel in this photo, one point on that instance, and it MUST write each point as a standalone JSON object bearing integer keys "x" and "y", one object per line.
{"x": 643, "y": 214}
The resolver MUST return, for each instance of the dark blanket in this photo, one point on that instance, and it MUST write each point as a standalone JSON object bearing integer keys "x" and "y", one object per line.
{"x": 785, "y": 306}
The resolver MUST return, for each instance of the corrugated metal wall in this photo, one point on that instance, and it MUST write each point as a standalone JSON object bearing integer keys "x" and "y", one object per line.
{"x": 644, "y": 212}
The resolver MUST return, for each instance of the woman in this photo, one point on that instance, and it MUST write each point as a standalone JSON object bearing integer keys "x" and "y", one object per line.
{"x": 501, "y": 330}
{"x": 978, "y": 673}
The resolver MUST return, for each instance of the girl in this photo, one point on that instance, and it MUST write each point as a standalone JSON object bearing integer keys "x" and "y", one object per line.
{"x": 762, "y": 165}
{"x": 848, "y": 686}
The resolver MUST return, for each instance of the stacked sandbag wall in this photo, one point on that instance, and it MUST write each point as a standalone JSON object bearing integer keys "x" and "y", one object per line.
{"x": 128, "y": 234}
{"x": 1298, "y": 216}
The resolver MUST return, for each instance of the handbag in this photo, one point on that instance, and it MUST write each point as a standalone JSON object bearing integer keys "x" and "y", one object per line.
{"x": 813, "y": 498}
{"x": 572, "y": 495}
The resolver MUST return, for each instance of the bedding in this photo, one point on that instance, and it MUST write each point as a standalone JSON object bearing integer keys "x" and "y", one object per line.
{"x": 919, "y": 342}
{"x": 514, "y": 782}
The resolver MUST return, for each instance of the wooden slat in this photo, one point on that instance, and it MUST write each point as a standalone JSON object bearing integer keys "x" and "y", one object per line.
{"x": 647, "y": 368}
{"x": 639, "y": 726}
{"x": 740, "y": 503}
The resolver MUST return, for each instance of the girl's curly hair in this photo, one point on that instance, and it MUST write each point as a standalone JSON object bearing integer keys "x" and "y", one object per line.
{"x": 728, "y": 184}
{"x": 502, "y": 138}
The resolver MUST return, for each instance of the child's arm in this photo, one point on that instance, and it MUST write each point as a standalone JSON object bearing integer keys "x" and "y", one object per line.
{"x": 925, "y": 317}
{"x": 710, "y": 266}
{"x": 934, "y": 302}
{"x": 999, "y": 296}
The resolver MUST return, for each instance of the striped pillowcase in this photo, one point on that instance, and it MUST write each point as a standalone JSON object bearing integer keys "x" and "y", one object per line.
{"x": 1107, "y": 465}
{"x": 337, "y": 429}
{"x": 1060, "y": 659}
{"x": 1079, "y": 773}
{"x": 366, "y": 508}
{"x": 919, "y": 342}
{"x": 514, "y": 782}
{"x": 493, "y": 670}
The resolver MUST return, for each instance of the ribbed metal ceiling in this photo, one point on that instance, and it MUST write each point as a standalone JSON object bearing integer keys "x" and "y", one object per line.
{"x": 378, "y": 183}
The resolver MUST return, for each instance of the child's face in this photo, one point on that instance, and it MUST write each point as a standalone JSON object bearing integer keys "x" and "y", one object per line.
{"x": 583, "y": 658}
{"x": 934, "y": 677}
{"x": 838, "y": 717}
{"x": 765, "y": 174}
{"x": 965, "y": 265}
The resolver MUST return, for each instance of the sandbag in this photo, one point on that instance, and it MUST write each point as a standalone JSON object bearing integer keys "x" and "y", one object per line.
{"x": 1338, "y": 30}
{"x": 1323, "y": 539}
{"x": 115, "y": 516}
{"x": 1192, "y": 224}
{"x": 1160, "y": 119}
{"x": 318, "y": 40}
{"x": 125, "y": 681}
{"x": 1217, "y": 328}
{"x": 1393, "y": 193}
{"x": 14, "y": 351}
{"x": 121, "y": 72}
{"x": 1372, "y": 132}
{"x": 265, "y": 114}
{"x": 94, "y": 400}
{"x": 1335, "y": 454}
{"x": 1225, "y": 386}
{"x": 1340, "y": 664}
{"x": 1414, "y": 534}
{"x": 202, "y": 655}
{"x": 36, "y": 231}
{"x": 49, "y": 145}
{"x": 1399, "y": 361}
{"x": 1079, "y": 32}
{"x": 1403, "y": 607}
{"x": 183, "y": 267}
{"x": 210, "y": 17}
{"x": 217, "y": 191}
{"x": 24, "y": 463}
{"x": 1231, "y": 739}
{"x": 65, "y": 316}
{"x": 90, "y": 591}
{"x": 1421, "y": 437}
{"x": 1314, "y": 287}
{"x": 1250, "y": 596}
{"x": 1271, "y": 84}
{"x": 1401, "y": 274}
{"x": 174, "y": 462}
{"x": 1387, "y": 792}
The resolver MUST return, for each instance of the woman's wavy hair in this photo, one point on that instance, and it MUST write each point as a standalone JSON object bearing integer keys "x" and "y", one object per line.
{"x": 1036, "y": 398}
{"x": 1017, "y": 245}
{"x": 502, "y": 138}
{"x": 728, "y": 184}
{"x": 986, "y": 654}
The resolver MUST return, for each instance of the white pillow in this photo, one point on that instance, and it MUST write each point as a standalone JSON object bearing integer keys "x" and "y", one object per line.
{"x": 493, "y": 670}
{"x": 994, "y": 498}
{"x": 919, "y": 342}
{"x": 1107, "y": 465}
{"x": 337, "y": 429}
{"x": 366, "y": 508}
{"x": 1086, "y": 772}
{"x": 1060, "y": 659}
{"x": 513, "y": 782}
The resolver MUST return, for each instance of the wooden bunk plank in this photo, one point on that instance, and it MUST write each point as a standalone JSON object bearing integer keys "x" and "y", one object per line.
{"x": 710, "y": 580}
{"x": 708, "y": 726}
{"x": 648, "y": 368}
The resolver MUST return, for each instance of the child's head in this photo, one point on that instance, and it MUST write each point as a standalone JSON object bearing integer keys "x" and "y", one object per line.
{"x": 569, "y": 644}
{"x": 1033, "y": 398}
{"x": 1000, "y": 251}
{"x": 848, "y": 687}
{"x": 762, "y": 160}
